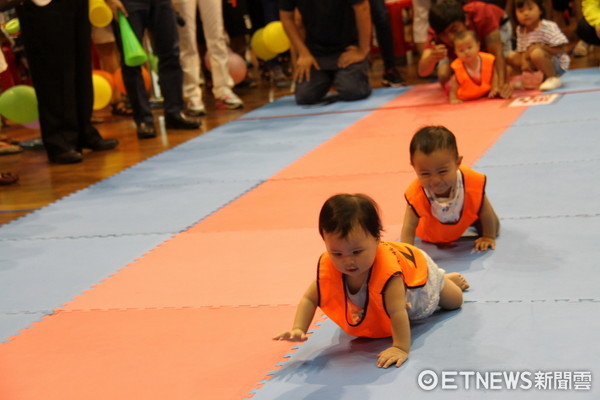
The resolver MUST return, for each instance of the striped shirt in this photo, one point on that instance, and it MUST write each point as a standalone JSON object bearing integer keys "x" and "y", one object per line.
{"x": 549, "y": 34}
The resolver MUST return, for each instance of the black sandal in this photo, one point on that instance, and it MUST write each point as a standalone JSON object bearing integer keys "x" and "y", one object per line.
{"x": 121, "y": 108}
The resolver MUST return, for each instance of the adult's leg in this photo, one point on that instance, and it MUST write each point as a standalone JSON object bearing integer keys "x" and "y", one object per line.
{"x": 383, "y": 29}
{"x": 314, "y": 90}
{"x": 83, "y": 85}
{"x": 587, "y": 33}
{"x": 352, "y": 82}
{"x": 162, "y": 24}
{"x": 50, "y": 48}
{"x": 189, "y": 55}
{"x": 420, "y": 23}
{"x": 211, "y": 13}
{"x": 132, "y": 76}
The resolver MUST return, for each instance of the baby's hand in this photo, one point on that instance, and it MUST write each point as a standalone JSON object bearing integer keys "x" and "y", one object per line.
{"x": 455, "y": 101}
{"x": 390, "y": 356}
{"x": 295, "y": 335}
{"x": 483, "y": 243}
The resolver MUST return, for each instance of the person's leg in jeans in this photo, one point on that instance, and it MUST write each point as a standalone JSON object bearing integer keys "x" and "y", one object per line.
{"x": 314, "y": 90}
{"x": 383, "y": 29}
{"x": 352, "y": 83}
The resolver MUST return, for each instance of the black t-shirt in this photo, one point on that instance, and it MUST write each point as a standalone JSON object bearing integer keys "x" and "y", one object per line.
{"x": 330, "y": 24}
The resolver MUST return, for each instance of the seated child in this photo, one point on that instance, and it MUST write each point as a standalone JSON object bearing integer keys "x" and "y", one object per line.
{"x": 541, "y": 45}
{"x": 474, "y": 73}
{"x": 368, "y": 287}
{"x": 446, "y": 198}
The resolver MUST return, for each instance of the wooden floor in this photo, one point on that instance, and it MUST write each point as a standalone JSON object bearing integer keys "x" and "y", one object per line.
{"x": 42, "y": 183}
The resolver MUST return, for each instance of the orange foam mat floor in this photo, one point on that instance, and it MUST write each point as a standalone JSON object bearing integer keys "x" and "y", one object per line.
{"x": 150, "y": 332}
{"x": 193, "y": 353}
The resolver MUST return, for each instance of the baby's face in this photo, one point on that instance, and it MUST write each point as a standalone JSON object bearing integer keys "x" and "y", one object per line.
{"x": 353, "y": 255}
{"x": 437, "y": 171}
{"x": 466, "y": 48}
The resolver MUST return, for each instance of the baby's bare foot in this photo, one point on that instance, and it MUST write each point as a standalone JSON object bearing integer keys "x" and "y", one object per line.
{"x": 459, "y": 280}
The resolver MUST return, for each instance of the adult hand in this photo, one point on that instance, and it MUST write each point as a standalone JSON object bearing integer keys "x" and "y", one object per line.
{"x": 439, "y": 52}
{"x": 352, "y": 55}
{"x": 303, "y": 67}
{"x": 116, "y": 5}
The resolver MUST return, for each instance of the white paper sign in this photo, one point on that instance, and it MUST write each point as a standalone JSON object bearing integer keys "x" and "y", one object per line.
{"x": 537, "y": 100}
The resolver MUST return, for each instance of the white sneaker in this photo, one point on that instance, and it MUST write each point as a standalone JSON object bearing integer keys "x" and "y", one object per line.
{"x": 229, "y": 100}
{"x": 195, "y": 107}
{"x": 551, "y": 83}
{"x": 581, "y": 49}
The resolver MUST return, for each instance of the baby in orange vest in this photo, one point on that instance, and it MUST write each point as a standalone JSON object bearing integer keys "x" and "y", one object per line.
{"x": 446, "y": 198}
{"x": 474, "y": 72}
{"x": 369, "y": 287}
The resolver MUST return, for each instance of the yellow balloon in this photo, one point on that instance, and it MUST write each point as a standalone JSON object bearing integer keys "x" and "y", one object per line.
{"x": 275, "y": 37}
{"x": 259, "y": 48}
{"x": 102, "y": 92}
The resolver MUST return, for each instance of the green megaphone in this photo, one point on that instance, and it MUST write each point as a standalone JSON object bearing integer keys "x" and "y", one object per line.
{"x": 133, "y": 52}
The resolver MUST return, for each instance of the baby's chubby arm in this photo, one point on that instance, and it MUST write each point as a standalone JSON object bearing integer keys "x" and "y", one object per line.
{"x": 409, "y": 227}
{"x": 304, "y": 316}
{"x": 490, "y": 226}
{"x": 395, "y": 303}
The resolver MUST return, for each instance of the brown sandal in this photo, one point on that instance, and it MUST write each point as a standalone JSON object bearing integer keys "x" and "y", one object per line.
{"x": 7, "y": 178}
{"x": 121, "y": 108}
{"x": 8, "y": 148}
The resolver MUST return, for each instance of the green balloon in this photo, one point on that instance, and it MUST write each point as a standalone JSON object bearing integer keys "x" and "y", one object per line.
{"x": 19, "y": 104}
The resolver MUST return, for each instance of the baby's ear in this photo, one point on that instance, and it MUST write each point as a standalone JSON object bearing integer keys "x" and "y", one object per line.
{"x": 459, "y": 161}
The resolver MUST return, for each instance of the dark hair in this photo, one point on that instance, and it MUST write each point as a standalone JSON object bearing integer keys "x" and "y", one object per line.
{"x": 521, "y": 4}
{"x": 431, "y": 138}
{"x": 343, "y": 212}
{"x": 443, "y": 13}
{"x": 464, "y": 34}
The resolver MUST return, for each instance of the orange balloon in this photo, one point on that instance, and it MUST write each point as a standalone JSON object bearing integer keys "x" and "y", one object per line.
{"x": 106, "y": 75}
{"x": 120, "y": 86}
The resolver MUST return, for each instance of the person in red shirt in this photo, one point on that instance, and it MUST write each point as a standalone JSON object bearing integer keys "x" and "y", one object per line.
{"x": 449, "y": 17}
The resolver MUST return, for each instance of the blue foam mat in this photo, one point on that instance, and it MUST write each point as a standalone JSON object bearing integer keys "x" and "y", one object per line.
{"x": 250, "y": 150}
{"x": 44, "y": 274}
{"x": 535, "y": 259}
{"x": 286, "y": 106}
{"x": 544, "y": 189}
{"x": 580, "y": 79}
{"x": 122, "y": 210}
{"x": 479, "y": 338}
{"x": 11, "y": 324}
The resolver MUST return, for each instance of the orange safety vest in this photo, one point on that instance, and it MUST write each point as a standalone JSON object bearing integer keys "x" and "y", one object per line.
{"x": 430, "y": 228}
{"x": 469, "y": 89}
{"x": 392, "y": 259}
